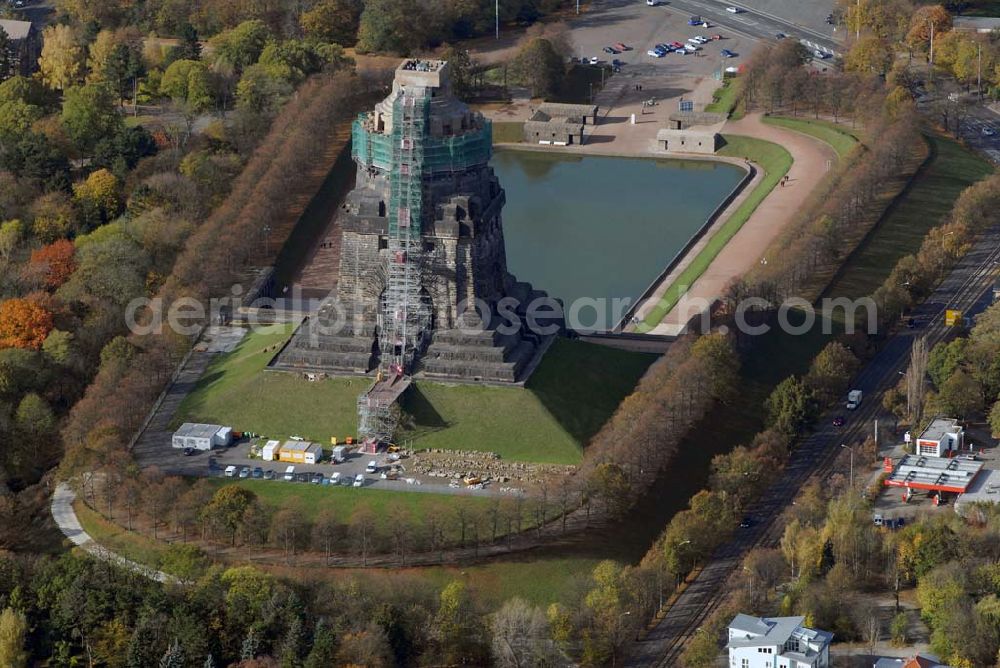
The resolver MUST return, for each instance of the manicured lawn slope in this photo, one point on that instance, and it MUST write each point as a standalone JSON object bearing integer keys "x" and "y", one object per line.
{"x": 925, "y": 204}
{"x": 312, "y": 499}
{"x": 776, "y": 162}
{"x": 840, "y": 137}
{"x": 572, "y": 393}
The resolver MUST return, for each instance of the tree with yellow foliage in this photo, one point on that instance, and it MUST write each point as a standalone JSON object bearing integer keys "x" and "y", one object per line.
{"x": 61, "y": 62}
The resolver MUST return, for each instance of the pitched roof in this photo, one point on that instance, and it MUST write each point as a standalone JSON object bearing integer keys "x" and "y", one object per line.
{"x": 16, "y": 29}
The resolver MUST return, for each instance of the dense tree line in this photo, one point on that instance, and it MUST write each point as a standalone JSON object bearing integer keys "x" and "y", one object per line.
{"x": 390, "y": 26}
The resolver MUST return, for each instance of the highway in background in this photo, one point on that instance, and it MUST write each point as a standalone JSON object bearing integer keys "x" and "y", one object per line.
{"x": 967, "y": 288}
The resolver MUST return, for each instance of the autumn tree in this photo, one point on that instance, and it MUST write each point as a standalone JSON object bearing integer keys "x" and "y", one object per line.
{"x": 55, "y": 262}
{"x": 90, "y": 113}
{"x": 925, "y": 19}
{"x": 61, "y": 62}
{"x": 24, "y": 323}
{"x": 539, "y": 67}
{"x": 13, "y": 633}
{"x": 333, "y": 21}
{"x": 869, "y": 55}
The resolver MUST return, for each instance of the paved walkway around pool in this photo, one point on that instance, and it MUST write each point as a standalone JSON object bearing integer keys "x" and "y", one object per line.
{"x": 812, "y": 159}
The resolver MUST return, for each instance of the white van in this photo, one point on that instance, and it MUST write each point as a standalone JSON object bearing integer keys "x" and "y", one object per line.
{"x": 359, "y": 480}
{"x": 372, "y": 467}
{"x": 335, "y": 478}
{"x": 290, "y": 473}
{"x": 230, "y": 471}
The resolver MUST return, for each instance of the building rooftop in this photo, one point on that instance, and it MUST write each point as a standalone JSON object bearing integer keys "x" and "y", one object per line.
{"x": 16, "y": 29}
{"x": 934, "y": 473}
{"x": 918, "y": 661}
{"x": 939, "y": 428}
{"x": 748, "y": 631}
{"x": 196, "y": 430}
{"x": 984, "y": 488}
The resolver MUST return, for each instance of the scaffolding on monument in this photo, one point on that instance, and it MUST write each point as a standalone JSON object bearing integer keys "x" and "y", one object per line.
{"x": 403, "y": 316}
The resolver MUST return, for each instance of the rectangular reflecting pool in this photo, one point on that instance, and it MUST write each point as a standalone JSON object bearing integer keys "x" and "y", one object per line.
{"x": 595, "y": 227}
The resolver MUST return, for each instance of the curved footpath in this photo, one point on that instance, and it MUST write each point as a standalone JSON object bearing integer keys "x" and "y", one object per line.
{"x": 66, "y": 520}
{"x": 811, "y": 160}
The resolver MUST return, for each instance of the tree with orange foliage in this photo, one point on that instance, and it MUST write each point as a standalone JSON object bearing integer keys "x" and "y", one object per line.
{"x": 55, "y": 262}
{"x": 24, "y": 323}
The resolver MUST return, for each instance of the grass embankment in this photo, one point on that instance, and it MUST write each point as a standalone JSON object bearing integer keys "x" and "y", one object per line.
{"x": 312, "y": 499}
{"x": 726, "y": 98}
{"x": 840, "y": 137}
{"x": 136, "y": 547}
{"x": 925, "y": 204}
{"x": 508, "y": 132}
{"x": 775, "y": 162}
{"x": 541, "y": 422}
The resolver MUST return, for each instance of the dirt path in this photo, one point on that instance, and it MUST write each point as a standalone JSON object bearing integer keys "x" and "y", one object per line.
{"x": 812, "y": 159}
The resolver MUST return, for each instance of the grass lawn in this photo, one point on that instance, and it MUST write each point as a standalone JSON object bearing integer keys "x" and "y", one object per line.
{"x": 776, "y": 162}
{"x": 507, "y": 132}
{"x": 840, "y": 137}
{"x": 543, "y": 422}
{"x": 925, "y": 204}
{"x": 343, "y": 500}
{"x": 725, "y": 97}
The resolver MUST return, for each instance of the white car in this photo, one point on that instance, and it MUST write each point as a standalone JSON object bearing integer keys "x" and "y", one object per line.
{"x": 652, "y": 3}
{"x": 700, "y": 39}
{"x": 655, "y": 54}
{"x": 594, "y": 60}
{"x": 733, "y": 10}
{"x": 335, "y": 478}
{"x": 691, "y": 48}
{"x": 988, "y": 131}
{"x": 359, "y": 480}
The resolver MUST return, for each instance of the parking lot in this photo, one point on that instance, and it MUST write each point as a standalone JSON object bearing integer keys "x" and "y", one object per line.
{"x": 215, "y": 462}
{"x": 641, "y": 27}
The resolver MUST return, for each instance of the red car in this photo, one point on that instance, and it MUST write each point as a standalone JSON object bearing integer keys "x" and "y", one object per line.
{"x": 622, "y": 47}
{"x": 677, "y": 45}
{"x": 716, "y": 37}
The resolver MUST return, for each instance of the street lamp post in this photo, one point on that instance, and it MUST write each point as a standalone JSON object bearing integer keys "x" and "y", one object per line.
{"x": 852, "y": 462}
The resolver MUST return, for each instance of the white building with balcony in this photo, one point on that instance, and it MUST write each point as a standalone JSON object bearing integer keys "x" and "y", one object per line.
{"x": 776, "y": 642}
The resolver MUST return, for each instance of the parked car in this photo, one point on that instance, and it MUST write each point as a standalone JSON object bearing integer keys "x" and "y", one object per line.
{"x": 335, "y": 478}
{"x": 969, "y": 458}
{"x": 302, "y": 477}
{"x": 270, "y": 475}
{"x": 656, "y": 53}
{"x": 726, "y": 53}
{"x": 691, "y": 48}
{"x": 780, "y": 35}
{"x": 230, "y": 471}
{"x": 258, "y": 473}
{"x": 822, "y": 55}
{"x": 188, "y": 452}
{"x": 677, "y": 45}
{"x": 716, "y": 37}
{"x": 734, "y": 10}
{"x": 290, "y": 474}
{"x": 621, "y": 46}
{"x": 317, "y": 479}
{"x": 694, "y": 21}
{"x": 594, "y": 60}
{"x": 617, "y": 63}
{"x": 610, "y": 50}
{"x": 359, "y": 480}
{"x": 988, "y": 131}
{"x": 652, "y": 3}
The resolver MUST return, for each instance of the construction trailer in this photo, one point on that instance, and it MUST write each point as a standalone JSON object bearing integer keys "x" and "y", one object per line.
{"x": 270, "y": 451}
{"x": 301, "y": 452}
{"x": 201, "y": 436}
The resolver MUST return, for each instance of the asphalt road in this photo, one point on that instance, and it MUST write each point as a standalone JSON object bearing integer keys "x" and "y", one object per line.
{"x": 967, "y": 288}
{"x": 764, "y": 20}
